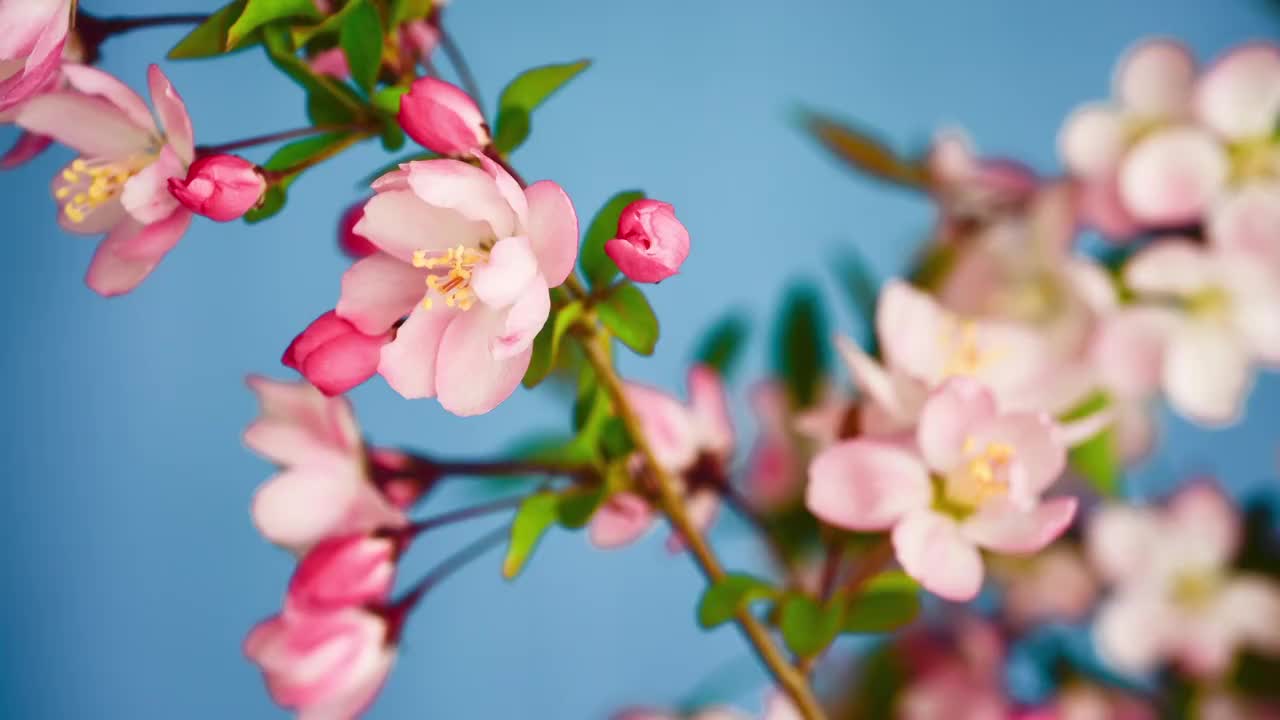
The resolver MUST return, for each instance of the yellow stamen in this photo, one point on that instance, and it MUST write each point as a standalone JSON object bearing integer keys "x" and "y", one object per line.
{"x": 454, "y": 283}
{"x": 984, "y": 468}
{"x": 92, "y": 183}
{"x": 966, "y": 355}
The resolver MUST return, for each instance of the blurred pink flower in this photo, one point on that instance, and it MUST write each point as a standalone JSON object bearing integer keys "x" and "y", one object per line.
{"x": 469, "y": 257}
{"x": 32, "y": 35}
{"x": 973, "y": 479}
{"x": 972, "y": 190}
{"x": 331, "y": 62}
{"x": 1175, "y": 597}
{"x": 964, "y": 685}
{"x": 651, "y": 244}
{"x": 343, "y": 571}
{"x": 775, "y": 473}
{"x": 332, "y": 354}
{"x": 443, "y": 118}
{"x": 1056, "y": 584}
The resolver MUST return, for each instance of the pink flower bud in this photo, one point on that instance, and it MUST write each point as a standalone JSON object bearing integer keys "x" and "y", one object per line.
{"x": 442, "y": 118}
{"x": 220, "y": 187}
{"x": 341, "y": 572}
{"x": 352, "y": 243}
{"x": 651, "y": 243}
{"x": 333, "y": 355}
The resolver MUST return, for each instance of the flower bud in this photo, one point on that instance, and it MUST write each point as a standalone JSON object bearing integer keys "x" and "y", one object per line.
{"x": 651, "y": 243}
{"x": 220, "y": 187}
{"x": 333, "y": 355}
{"x": 442, "y": 118}
{"x": 344, "y": 571}
{"x": 350, "y": 242}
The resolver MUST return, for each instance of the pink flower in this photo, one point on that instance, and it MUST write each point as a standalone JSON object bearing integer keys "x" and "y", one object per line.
{"x": 776, "y": 471}
{"x": 324, "y": 666}
{"x": 331, "y": 62}
{"x": 442, "y": 118}
{"x": 220, "y": 187}
{"x": 973, "y": 479}
{"x": 1219, "y": 312}
{"x": 1174, "y": 595}
{"x": 334, "y": 355}
{"x": 1055, "y": 584}
{"x": 651, "y": 243}
{"x": 964, "y": 684}
{"x": 118, "y": 185}
{"x": 683, "y": 438}
{"x": 355, "y": 246}
{"x": 323, "y": 489}
{"x": 970, "y": 189}
{"x": 343, "y": 571}
{"x": 469, "y": 258}
{"x": 418, "y": 39}
{"x": 32, "y": 34}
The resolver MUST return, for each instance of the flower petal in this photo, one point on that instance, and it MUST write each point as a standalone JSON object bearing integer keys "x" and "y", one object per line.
{"x": 1246, "y": 221}
{"x": 1128, "y": 349}
{"x": 1134, "y": 631}
{"x": 1155, "y": 79}
{"x": 911, "y": 328}
{"x": 25, "y": 148}
{"x": 470, "y": 378}
{"x": 950, "y": 416}
{"x": 302, "y": 506}
{"x": 508, "y": 187}
{"x": 1092, "y": 140}
{"x": 379, "y": 290}
{"x": 174, "y": 119}
{"x": 524, "y": 319}
{"x": 506, "y": 275}
{"x": 932, "y": 549}
{"x": 1003, "y": 527}
{"x": 1210, "y": 523}
{"x": 1206, "y": 373}
{"x": 146, "y": 195}
{"x": 1170, "y": 177}
{"x": 1169, "y": 267}
{"x": 91, "y": 125}
{"x": 129, "y": 254}
{"x": 1120, "y": 540}
{"x": 866, "y": 485}
{"x": 465, "y": 189}
{"x": 400, "y": 223}
{"x": 710, "y": 410}
{"x": 92, "y": 81}
{"x": 896, "y": 396}
{"x": 667, "y": 425}
{"x": 1239, "y": 95}
{"x": 621, "y": 520}
{"x": 552, "y": 227}
{"x": 1039, "y": 454}
{"x": 408, "y": 363}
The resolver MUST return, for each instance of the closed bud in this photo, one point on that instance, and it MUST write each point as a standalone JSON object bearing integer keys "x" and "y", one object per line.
{"x": 345, "y": 571}
{"x": 651, "y": 243}
{"x": 442, "y": 118}
{"x": 220, "y": 187}
{"x": 333, "y": 355}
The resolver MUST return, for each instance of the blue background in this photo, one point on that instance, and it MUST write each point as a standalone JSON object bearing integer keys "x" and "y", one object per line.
{"x": 131, "y": 570}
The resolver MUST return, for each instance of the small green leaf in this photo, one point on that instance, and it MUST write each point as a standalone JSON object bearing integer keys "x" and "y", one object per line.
{"x": 209, "y": 38}
{"x": 403, "y": 11}
{"x": 889, "y": 601}
{"x": 361, "y": 40}
{"x": 272, "y": 202}
{"x": 800, "y": 342}
{"x": 596, "y": 266}
{"x": 260, "y": 12}
{"x": 536, "y": 515}
{"x": 325, "y": 95}
{"x": 546, "y": 346}
{"x": 628, "y": 315}
{"x": 864, "y": 152}
{"x": 387, "y": 100}
{"x": 527, "y": 91}
{"x": 324, "y": 108}
{"x": 808, "y": 627}
{"x": 723, "y": 599}
{"x": 577, "y": 505}
{"x": 1097, "y": 459}
{"x": 722, "y": 344}
{"x": 615, "y": 441}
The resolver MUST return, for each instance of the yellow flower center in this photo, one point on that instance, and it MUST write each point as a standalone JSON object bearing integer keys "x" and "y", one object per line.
{"x": 1254, "y": 159}
{"x": 1194, "y": 589}
{"x": 1211, "y": 302}
{"x": 450, "y": 274}
{"x": 90, "y": 184}
{"x": 982, "y": 476}
{"x": 965, "y": 355}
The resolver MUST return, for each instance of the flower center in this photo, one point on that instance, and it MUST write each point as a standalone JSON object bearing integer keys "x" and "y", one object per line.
{"x": 449, "y": 274}
{"x": 1211, "y": 302}
{"x": 1254, "y": 159}
{"x": 1194, "y": 589}
{"x": 965, "y": 355}
{"x": 91, "y": 183}
{"x": 983, "y": 475}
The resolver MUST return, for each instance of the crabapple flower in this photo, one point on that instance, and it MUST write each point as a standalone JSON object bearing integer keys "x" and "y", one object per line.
{"x": 964, "y": 683}
{"x": 1056, "y": 584}
{"x": 1174, "y": 595}
{"x": 343, "y": 571}
{"x": 1219, "y": 311}
{"x": 118, "y": 185}
{"x": 323, "y": 489}
{"x": 322, "y": 665}
{"x": 32, "y": 35}
{"x": 469, "y": 257}
{"x": 689, "y": 441}
{"x": 334, "y": 355}
{"x": 776, "y": 471}
{"x": 443, "y": 118}
{"x": 971, "y": 190}
{"x": 220, "y": 187}
{"x": 354, "y": 245}
{"x": 973, "y": 480}
{"x": 651, "y": 244}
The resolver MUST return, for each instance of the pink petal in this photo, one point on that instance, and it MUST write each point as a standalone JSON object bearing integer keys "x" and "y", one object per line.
{"x": 623, "y": 519}
{"x": 1121, "y": 540}
{"x": 299, "y": 425}
{"x": 27, "y": 147}
{"x": 911, "y": 328}
{"x": 506, "y": 275}
{"x": 1249, "y": 606}
{"x": 90, "y": 125}
{"x": 470, "y": 378}
{"x": 524, "y": 319}
{"x": 1169, "y": 267}
{"x": 508, "y": 187}
{"x": 1154, "y": 79}
{"x": 174, "y": 119}
{"x": 379, "y": 290}
{"x": 1128, "y": 349}
{"x": 1246, "y": 221}
{"x": 710, "y": 410}
{"x": 553, "y": 230}
{"x": 1039, "y": 455}
{"x": 146, "y": 196}
{"x": 1134, "y": 631}
{"x": 127, "y": 255}
{"x": 1171, "y": 176}
{"x": 92, "y": 81}
{"x": 465, "y": 189}
{"x": 408, "y": 362}
{"x": 951, "y": 415}
{"x": 331, "y": 62}
{"x": 932, "y": 549}
{"x": 302, "y": 506}
{"x": 667, "y": 425}
{"x": 1206, "y": 373}
{"x": 399, "y": 222}
{"x": 1210, "y": 522}
{"x": 866, "y": 485}
{"x": 1239, "y": 95}
{"x": 1002, "y": 527}
{"x": 1254, "y": 290}
{"x": 1102, "y": 208}
{"x": 1092, "y": 140}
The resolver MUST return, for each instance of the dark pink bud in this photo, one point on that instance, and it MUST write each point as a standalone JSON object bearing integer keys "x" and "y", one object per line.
{"x": 651, "y": 243}
{"x": 341, "y": 572}
{"x": 353, "y": 244}
{"x": 333, "y": 355}
{"x": 220, "y": 187}
{"x": 442, "y": 118}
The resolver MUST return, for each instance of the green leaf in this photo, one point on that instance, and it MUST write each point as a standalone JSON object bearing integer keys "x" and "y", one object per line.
{"x": 615, "y": 441}
{"x": 403, "y": 11}
{"x": 527, "y": 91}
{"x": 546, "y": 346}
{"x": 1098, "y": 459}
{"x": 800, "y": 342}
{"x": 387, "y": 100}
{"x": 209, "y": 38}
{"x": 628, "y": 315}
{"x": 577, "y": 505}
{"x": 361, "y": 40}
{"x": 722, "y": 344}
{"x": 334, "y": 101}
{"x": 862, "y": 289}
{"x": 807, "y": 627}
{"x": 733, "y": 592}
{"x": 596, "y": 266}
{"x": 864, "y": 152}
{"x": 536, "y": 515}
{"x": 889, "y": 601}
{"x": 260, "y": 12}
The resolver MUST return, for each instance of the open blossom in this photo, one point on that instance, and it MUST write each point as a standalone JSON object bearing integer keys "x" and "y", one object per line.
{"x": 324, "y": 666}
{"x": 651, "y": 244}
{"x": 118, "y": 185}
{"x": 220, "y": 187}
{"x": 334, "y": 355}
{"x": 685, "y": 440}
{"x": 1218, "y": 312}
{"x": 32, "y": 34}
{"x": 469, "y": 257}
{"x": 443, "y": 118}
{"x": 322, "y": 489}
{"x": 972, "y": 480}
{"x": 1175, "y": 597}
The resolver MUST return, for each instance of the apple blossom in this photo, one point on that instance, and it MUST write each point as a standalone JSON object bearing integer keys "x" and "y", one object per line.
{"x": 469, "y": 257}
{"x": 332, "y": 354}
{"x": 32, "y": 35}
{"x": 118, "y": 185}
{"x": 651, "y": 244}
{"x": 220, "y": 187}
{"x": 343, "y": 571}
{"x": 443, "y": 118}
{"x": 973, "y": 479}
